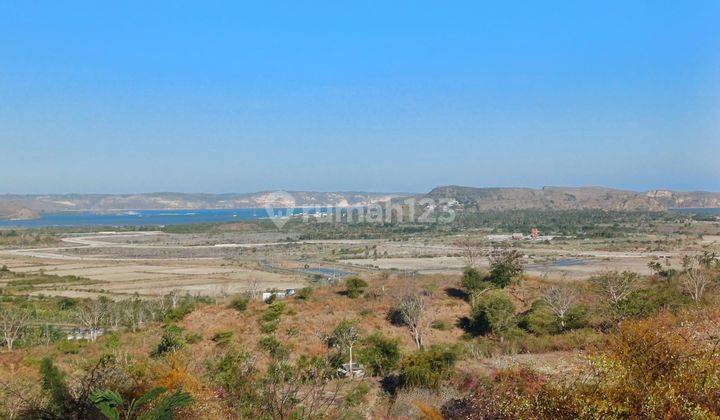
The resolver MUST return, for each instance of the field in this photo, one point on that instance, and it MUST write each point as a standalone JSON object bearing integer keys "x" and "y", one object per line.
{"x": 180, "y": 308}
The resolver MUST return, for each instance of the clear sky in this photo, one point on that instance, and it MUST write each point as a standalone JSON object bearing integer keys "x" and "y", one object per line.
{"x": 244, "y": 96}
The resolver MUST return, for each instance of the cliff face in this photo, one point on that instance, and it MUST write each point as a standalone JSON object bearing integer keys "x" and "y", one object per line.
{"x": 573, "y": 198}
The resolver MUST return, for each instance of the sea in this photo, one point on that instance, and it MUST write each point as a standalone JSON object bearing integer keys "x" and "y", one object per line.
{"x": 150, "y": 217}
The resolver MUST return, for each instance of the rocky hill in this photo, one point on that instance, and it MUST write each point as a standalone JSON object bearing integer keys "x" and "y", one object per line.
{"x": 571, "y": 198}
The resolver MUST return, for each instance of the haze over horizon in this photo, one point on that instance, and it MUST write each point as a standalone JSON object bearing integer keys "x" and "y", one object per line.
{"x": 231, "y": 97}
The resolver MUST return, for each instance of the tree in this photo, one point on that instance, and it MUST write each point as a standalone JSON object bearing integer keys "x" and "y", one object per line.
{"x": 560, "y": 300}
{"x": 473, "y": 281}
{"x": 698, "y": 274}
{"x": 12, "y": 325}
{"x": 344, "y": 336}
{"x": 411, "y": 311}
{"x": 300, "y": 391}
{"x": 494, "y": 312}
{"x": 506, "y": 267}
{"x": 354, "y": 286}
{"x": 471, "y": 251}
{"x": 92, "y": 315}
{"x": 617, "y": 287}
{"x": 380, "y": 355}
{"x": 112, "y": 406}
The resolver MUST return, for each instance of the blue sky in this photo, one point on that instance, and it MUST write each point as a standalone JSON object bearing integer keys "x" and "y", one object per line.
{"x": 374, "y": 96}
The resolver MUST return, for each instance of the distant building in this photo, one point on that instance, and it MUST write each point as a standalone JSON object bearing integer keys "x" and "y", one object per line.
{"x": 280, "y": 294}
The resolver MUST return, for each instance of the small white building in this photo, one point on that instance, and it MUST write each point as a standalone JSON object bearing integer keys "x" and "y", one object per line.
{"x": 280, "y": 294}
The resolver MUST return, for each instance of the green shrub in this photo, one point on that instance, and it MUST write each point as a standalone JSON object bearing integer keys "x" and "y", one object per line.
{"x": 356, "y": 395}
{"x": 354, "y": 286}
{"x": 493, "y": 312}
{"x": 223, "y": 338}
{"x": 193, "y": 337}
{"x": 273, "y": 347}
{"x": 539, "y": 319}
{"x": 439, "y": 325}
{"x": 647, "y": 302}
{"x": 472, "y": 280}
{"x": 177, "y": 314}
{"x": 429, "y": 367}
{"x": 269, "y": 326}
{"x": 240, "y": 303}
{"x": 304, "y": 294}
{"x": 506, "y": 267}
{"x": 172, "y": 340}
{"x": 273, "y": 312}
{"x": 379, "y": 355}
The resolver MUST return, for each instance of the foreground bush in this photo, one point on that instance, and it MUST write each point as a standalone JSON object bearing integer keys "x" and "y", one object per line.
{"x": 663, "y": 367}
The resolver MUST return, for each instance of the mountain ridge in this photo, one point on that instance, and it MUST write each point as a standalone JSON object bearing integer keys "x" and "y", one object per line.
{"x": 20, "y": 206}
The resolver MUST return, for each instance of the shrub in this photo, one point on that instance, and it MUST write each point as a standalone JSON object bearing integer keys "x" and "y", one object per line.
{"x": 269, "y": 326}
{"x": 539, "y": 319}
{"x": 223, "y": 338}
{"x": 273, "y": 347}
{"x": 304, "y": 294}
{"x": 240, "y": 303}
{"x": 273, "y": 312}
{"x": 506, "y": 267}
{"x": 644, "y": 303}
{"x": 472, "y": 280}
{"x": 354, "y": 286}
{"x": 428, "y": 367}
{"x": 493, "y": 312}
{"x": 439, "y": 325}
{"x": 379, "y": 355}
{"x": 356, "y": 395}
{"x": 177, "y": 314}
{"x": 172, "y": 340}
{"x": 193, "y": 337}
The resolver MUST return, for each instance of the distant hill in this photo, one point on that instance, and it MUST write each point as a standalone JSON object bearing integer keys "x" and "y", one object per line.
{"x": 570, "y": 198}
{"x": 29, "y": 206}
{"x": 470, "y": 198}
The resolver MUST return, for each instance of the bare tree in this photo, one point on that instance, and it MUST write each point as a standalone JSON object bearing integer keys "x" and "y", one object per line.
{"x": 345, "y": 335}
{"x": 254, "y": 288}
{"x": 298, "y": 392}
{"x": 92, "y": 315}
{"x": 174, "y": 298}
{"x": 560, "y": 300}
{"x": 471, "y": 251}
{"x": 697, "y": 275}
{"x": 616, "y": 287}
{"x": 12, "y": 325}
{"x": 411, "y": 311}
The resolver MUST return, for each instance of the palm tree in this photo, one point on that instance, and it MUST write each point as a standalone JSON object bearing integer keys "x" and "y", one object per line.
{"x": 111, "y": 405}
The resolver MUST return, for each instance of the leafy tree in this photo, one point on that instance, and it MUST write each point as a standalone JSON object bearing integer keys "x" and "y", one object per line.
{"x": 112, "y": 406}
{"x": 379, "y": 355}
{"x": 494, "y": 312}
{"x": 506, "y": 267}
{"x": 474, "y": 281}
{"x": 354, "y": 286}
